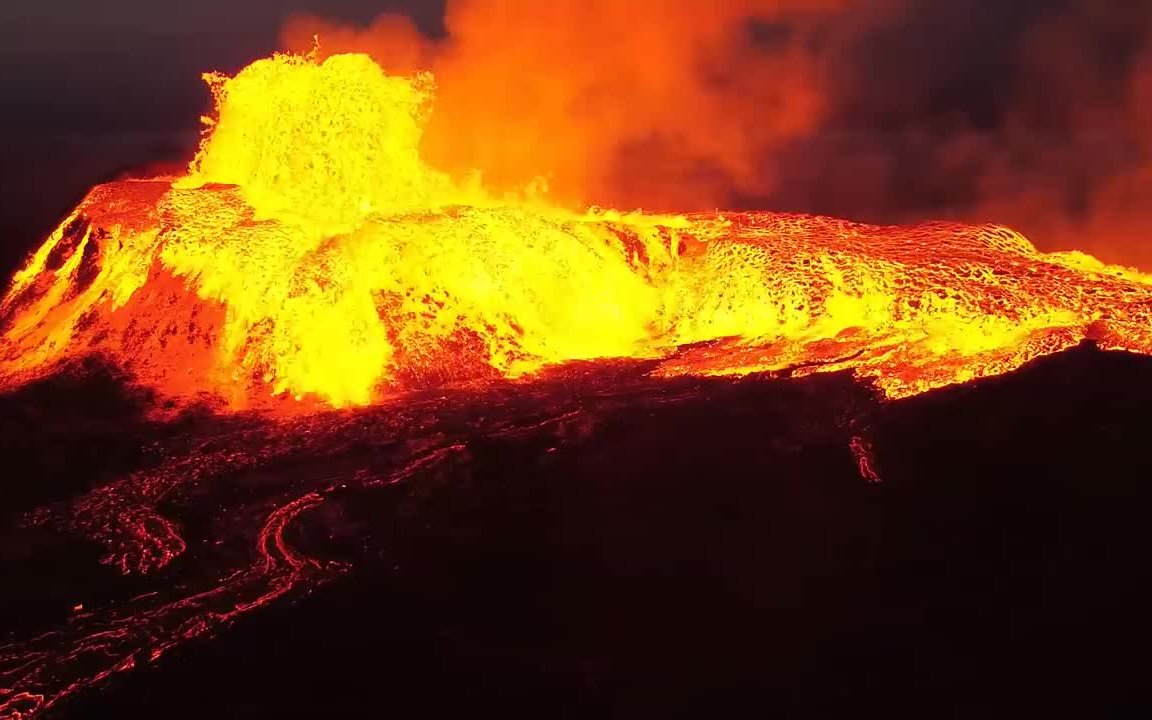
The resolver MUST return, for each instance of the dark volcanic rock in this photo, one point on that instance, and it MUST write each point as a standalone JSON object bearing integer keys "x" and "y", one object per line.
{"x": 601, "y": 543}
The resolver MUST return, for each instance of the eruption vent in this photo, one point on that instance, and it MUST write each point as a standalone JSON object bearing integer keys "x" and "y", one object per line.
{"x": 310, "y": 251}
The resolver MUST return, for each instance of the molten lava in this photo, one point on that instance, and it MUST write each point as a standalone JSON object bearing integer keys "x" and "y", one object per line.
{"x": 310, "y": 251}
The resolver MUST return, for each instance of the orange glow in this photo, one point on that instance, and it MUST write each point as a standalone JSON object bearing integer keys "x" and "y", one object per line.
{"x": 311, "y": 252}
{"x": 611, "y": 103}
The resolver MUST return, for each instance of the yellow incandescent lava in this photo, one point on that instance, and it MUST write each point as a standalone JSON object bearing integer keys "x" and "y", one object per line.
{"x": 310, "y": 251}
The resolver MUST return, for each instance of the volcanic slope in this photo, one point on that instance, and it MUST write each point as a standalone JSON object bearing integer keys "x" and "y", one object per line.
{"x": 595, "y": 539}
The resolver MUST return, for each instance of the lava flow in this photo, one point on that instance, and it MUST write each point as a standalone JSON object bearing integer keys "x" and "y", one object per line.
{"x": 309, "y": 252}
{"x": 310, "y": 259}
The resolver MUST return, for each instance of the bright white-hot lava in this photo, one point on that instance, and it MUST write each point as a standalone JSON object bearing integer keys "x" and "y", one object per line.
{"x": 309, "y": 251}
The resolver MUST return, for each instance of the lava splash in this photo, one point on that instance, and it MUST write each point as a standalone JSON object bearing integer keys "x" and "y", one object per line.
{"x": 309, "y": 252}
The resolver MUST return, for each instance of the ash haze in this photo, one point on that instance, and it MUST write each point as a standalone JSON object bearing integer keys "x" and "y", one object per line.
{"x": 1033, "y": 113}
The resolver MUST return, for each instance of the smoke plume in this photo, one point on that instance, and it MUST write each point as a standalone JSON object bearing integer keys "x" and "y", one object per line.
{"x": 1033, "y": 113}
{"x": 660, "y": 103}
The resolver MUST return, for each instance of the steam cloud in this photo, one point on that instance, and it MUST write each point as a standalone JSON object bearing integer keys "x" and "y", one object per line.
{"x": 1033, "y": 113}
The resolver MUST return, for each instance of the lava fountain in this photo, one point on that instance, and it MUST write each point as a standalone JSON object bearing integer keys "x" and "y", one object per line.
{"x": 310, "y": 253}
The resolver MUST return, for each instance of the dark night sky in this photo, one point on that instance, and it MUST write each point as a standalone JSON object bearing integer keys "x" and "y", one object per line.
{"x": 90, "y": 89}
{"x": 79, "y": 55}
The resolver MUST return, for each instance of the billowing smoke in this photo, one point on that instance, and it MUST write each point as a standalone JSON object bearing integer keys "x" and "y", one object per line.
{"x": 1034, "y": 113}
{"x": 1073, "y": 161}
{"x": 657, "y": 103}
